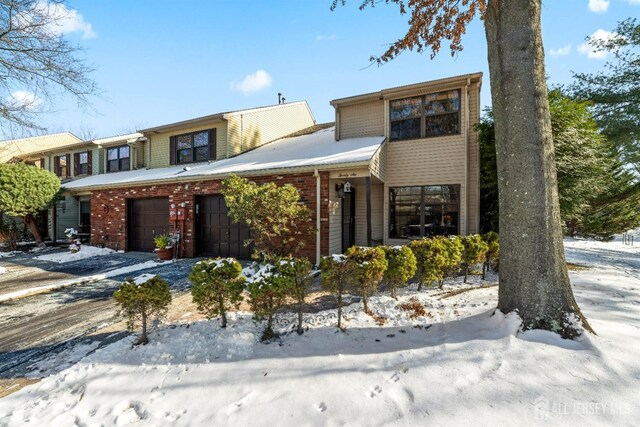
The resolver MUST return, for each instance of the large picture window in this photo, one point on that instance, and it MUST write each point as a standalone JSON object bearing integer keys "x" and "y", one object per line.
{"x": 193, "y": 147}
{"x": 436, "y": 114}
{"x": 118, "y": 159}
{"x": 421, "y": 211}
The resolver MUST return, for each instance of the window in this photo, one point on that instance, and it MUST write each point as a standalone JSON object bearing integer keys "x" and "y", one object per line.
{"x": 82, "y": 163}
{"x": 424, "y": 211}
{"x": 118, "y": 159}
{"x": 61, "y": 166}
{"x": 193, "y": 147}
{"x": 436, "y": 114}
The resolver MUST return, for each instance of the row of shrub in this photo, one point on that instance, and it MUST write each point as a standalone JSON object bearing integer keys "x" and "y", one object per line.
{"x": 218, "y": 285}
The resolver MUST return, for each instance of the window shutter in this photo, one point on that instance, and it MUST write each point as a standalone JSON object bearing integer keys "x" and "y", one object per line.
{"x": 56, "y": 165}
{"x": 76, "y": 164}
{"x": 90, "y": 162}
{"x": 212, "y": 144}
{"x": 172, "y": 150}
{"x": 68, "y": 165}
{"x": 41, "y": 162}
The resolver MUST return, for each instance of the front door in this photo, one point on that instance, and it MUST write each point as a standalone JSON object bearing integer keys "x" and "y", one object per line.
{"x": 348, "y": 220}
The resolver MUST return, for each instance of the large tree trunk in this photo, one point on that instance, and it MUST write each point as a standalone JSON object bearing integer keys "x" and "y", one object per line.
{"x": 30, "y": 221}
{"x": 533, "y": 274}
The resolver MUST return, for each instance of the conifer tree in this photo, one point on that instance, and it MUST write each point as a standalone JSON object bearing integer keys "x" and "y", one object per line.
{"x": 337, "y": 273}
{"x": 401, "y": 266}
{"x": 370, "y": 265}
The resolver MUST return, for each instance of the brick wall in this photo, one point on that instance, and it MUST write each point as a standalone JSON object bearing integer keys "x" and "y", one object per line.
{"x": 109, "y": 208}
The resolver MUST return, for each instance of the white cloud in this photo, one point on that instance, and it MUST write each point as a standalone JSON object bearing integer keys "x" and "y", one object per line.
{"x": 22, "y": 99}
{"x": 66, "y": 20}
{"x": 253, "y": 82}
{"x": 587, "y": 49}
{"x": 600, "y": 6}
{"x": 327, "y": 38}
{"x": 636, "y": 2}
{"x": 561, "y": 51}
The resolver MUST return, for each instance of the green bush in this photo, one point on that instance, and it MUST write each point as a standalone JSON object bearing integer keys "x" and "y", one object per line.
{"x": 337, "y": 274}
{"x": 453, "y": 250}
{"x": 162, "y": 241}
{"x": 298, "y": 270}
{"x": 475, "y": 251}
{"x": 268, "y": 289}
{"x": 140, "y": 301}
{"x": 430, "y": 260}
{"x": 492, "y": 256}
{"x": 401, "y": 266}
{"x": 370, "y": 265}
{"x": 217, "y": 286}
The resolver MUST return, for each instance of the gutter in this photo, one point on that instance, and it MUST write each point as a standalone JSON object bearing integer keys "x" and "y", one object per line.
{"x": 466, "y": 156}
{"x": 318, "y": 219}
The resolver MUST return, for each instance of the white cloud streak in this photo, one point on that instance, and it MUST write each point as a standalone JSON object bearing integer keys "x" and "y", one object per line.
{"x": 253, "y": 82}
{"x": 590, "y": 51}
{"x": 561, "y": 51}
{"x": 65, "y": 20}
{"x": 599, "y": 6}
{"x": 326, "y": 38}
{"x": 24, "y": 100}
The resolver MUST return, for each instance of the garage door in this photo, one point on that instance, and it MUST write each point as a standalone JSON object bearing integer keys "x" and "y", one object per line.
{"x": 217, "y": 234}
{"x": 147, "y": 218}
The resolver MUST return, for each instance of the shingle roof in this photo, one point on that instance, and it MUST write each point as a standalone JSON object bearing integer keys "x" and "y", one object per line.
{"x": 34, "y": 145}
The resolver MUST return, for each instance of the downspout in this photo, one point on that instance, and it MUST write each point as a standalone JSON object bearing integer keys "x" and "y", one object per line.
{"x": 466, "y": 156}
{"x": 318, "y": 222}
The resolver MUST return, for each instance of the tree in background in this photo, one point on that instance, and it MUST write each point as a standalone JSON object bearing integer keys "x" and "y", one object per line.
{"x": 37, "y": 63}
{"x": 598, "y": 196}
{"x": 278, "y": 221}
{"x": 26, "y": 190}
{"x": 537, "y": 287}
{"x": 615, "y": 93}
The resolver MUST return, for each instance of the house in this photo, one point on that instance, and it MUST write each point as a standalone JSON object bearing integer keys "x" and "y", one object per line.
{"x": 398, "y": 164}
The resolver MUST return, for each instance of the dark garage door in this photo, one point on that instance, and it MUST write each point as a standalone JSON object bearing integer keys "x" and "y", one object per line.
{"x": 147, "y": 218}
{"x": 217, "y": 234}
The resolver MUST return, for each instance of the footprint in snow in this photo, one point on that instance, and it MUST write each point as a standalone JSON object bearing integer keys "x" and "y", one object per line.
{"x": 321, "y": 407}
{"x": 376, "y": 391}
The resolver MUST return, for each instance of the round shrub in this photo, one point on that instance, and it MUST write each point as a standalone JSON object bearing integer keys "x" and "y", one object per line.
{"x": 401, "y": 266}
{"x": 370, "y": 265}
{"x": 475, "y": 250}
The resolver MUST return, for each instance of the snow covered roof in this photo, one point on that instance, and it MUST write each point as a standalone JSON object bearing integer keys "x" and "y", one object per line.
{"x": 316, "y": 150}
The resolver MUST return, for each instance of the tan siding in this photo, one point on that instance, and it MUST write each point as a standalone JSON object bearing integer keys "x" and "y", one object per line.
{"x": 335, "y": 220}
{"x": 378, "y": 162}
{"x": 364, "y": 119}
{"x": 473, "y": 197}
{"x": 254, "y": 128}
{"x": 159, "y": 143}
{"x": 377, "y": 205}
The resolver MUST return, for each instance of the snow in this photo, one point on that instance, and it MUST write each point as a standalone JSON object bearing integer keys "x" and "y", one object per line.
{"x": 84, "y": 252}
{"x": 461, "y": 363}
{"x": 3, "y": 270}
{"x": 143, "y": 278}
{"x": 86, "y": 279}
{"x": 9, "y": 254}
{"x": 316, "y": 149}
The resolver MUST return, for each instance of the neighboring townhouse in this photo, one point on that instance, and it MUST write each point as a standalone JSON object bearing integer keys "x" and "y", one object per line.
{"x": 399, "y": 164}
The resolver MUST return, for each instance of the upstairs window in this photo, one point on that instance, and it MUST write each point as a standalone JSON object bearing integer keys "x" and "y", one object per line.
{"x": 193, "y": 147}
{"x": 61, "y": 165}
{"x": 436, "y": 114}
{"x": 82, "y": 163}
{"x": 118, "y": 159}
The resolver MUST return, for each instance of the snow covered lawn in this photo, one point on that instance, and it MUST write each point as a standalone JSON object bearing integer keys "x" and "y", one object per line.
{"x": 85, "y": 251}
{"x": 456, "y": 364}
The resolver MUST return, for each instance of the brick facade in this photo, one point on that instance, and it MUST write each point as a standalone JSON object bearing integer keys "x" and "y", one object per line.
{"x": 109, "y": 208}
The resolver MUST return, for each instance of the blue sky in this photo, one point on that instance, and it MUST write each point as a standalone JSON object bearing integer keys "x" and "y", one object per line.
{"x": 159, "y": 62}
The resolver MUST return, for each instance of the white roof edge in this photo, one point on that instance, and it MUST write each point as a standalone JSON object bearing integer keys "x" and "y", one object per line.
{"x": 134, "y": 136}
{"x": 193, "y": 178}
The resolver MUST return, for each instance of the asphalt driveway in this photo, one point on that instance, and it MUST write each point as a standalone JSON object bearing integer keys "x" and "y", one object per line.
{"x": 34, "y": 325}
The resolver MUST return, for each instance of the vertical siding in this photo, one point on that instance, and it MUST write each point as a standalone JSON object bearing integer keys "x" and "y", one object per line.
{"x": 254, "y": 128}
{"x": 377, "y": 206}
{"x": 159, "y": 143}
{"x": 335, "y": 219}
{"x": 364, "y": 119}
